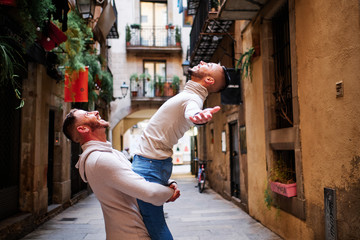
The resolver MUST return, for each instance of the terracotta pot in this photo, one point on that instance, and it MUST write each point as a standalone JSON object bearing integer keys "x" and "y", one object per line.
{"x": 168, "y": 91}
{"x": 287, "y": 190}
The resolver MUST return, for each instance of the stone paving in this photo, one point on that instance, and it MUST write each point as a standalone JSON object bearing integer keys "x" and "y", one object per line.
{"x": 194, "y": 216}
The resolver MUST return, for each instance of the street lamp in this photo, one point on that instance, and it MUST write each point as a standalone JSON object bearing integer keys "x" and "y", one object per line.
{"x": 124, "y": 89}
{"x": 86, "y": 8}
{"x": 185, "y": 65}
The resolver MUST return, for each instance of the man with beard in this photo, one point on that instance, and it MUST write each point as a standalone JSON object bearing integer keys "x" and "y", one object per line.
{"x": 152, "y": 159}
{"x": 111, "y": 178}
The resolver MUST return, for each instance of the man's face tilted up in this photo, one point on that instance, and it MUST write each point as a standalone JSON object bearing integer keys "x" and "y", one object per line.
{"x": 210, "y": 75}
{"x": 81, "y": 126}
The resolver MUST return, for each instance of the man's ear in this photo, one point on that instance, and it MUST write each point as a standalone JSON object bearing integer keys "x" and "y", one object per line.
{"x": 82, "y": 129}
{"x": 209, "y": 80}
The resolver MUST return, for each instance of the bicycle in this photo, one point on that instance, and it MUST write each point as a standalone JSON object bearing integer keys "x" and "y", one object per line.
{"x": 202, "y": 174}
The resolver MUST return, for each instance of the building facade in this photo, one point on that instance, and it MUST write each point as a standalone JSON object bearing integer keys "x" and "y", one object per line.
{"x": 147, "y": 59}
{"x": 297, "y": 115}
{"x": 38, "y": 173}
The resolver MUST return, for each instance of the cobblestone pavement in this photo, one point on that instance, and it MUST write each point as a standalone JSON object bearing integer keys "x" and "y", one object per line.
{"x": 194, "y": 216}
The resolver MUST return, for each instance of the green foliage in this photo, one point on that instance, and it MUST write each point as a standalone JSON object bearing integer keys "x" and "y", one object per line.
{"x": 145, "y": 76}
{"x": 134, "y": 77}
{"x": 267, "y": 197}
{"x": 11, "y": 61}
{"x": 31, "y": 15}
{"x": 177, "y": 35}
{"x": 281, "y": 173}
{"x": 245, "y": 62}
{"x": 135, "y": 26}
{"x": 176, "y": 82}
{"x": 128, "y": 34}
{"x": 79, "y": 54}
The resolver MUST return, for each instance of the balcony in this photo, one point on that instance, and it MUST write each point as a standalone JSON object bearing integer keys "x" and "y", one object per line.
{"x": 206, "y": 33}
{"x": 144, "y": 87}
{"x": 240, "y": 9}
{"x": 150, "y": 40}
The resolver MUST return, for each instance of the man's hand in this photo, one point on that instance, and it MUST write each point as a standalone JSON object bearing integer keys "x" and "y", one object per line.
{"x": 176, "y": 194}
{"x": 204, "y": 116}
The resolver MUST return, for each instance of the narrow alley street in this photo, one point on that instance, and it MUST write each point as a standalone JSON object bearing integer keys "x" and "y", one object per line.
{"x": 194, "y": 216}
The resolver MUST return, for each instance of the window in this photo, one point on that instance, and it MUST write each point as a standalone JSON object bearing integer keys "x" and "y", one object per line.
{"x": 188, "y": 19}
{"x": 157, "y": 71}
{"x": 153, "y": 22}
{"x": 282, "y": 65}
{"x": 282, "y": 120}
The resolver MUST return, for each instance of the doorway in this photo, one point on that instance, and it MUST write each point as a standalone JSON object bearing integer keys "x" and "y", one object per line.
{"x": 50, "y": 168}
{"x": 234, "y": 160}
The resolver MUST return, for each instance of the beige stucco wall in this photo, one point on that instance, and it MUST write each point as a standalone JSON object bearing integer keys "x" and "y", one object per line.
{"x": 328, "y": 48}
{"x": 327, "y": 51}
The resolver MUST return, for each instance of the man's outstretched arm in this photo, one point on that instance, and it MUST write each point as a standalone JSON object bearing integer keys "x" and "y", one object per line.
{"x": 204, "y": 116}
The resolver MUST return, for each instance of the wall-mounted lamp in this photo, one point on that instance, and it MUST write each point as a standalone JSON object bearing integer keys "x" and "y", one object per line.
{"x": 186, "y": 65}
{"x": 124, "y": 89}
{"x": 86, "y": 8}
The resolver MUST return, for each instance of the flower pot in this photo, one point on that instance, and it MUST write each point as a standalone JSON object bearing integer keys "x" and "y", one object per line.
{"x": 134, "y": 93}
{"x": 127, "y": 43}
{"x": 168, "y": 91}
{"x": 287, "y": 190}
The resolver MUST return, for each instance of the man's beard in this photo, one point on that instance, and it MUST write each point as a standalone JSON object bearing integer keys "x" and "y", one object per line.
{"x": 195, "y": 73}
{"x": 96, "y": 125}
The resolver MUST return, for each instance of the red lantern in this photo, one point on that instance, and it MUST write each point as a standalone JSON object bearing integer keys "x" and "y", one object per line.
{"x": 8, "y": 2}
{"x": 54, "y": 38}
{"x": 76, "y": 86}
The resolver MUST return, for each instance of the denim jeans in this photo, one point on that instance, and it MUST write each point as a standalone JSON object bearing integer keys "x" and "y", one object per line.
{"x": 158, "y": 171}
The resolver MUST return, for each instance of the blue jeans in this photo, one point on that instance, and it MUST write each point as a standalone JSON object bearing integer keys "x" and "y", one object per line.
{"x": 158, "y": 171}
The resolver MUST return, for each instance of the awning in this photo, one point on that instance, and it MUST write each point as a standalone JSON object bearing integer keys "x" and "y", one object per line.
{"x": 240, "y": 9}
{"x": 105, "y": 23}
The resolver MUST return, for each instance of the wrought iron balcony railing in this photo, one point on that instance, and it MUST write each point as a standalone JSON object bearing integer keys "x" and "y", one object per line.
{"x": 148, "y": 87}
{"x": 154, "y": 36}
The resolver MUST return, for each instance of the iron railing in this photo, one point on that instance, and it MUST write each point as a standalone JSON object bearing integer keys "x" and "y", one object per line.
{"x": 199, "y": 20}
{"x": 150, "y": 87}
{"x": 153, "y": 36}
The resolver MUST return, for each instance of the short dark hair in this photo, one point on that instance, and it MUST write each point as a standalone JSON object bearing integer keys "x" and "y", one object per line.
{"x": 69, "y": 123}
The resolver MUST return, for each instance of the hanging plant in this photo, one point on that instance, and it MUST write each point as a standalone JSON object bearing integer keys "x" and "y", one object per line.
{"x": 79, "y": 54}
{"x": 32, "y": 16}
{"x": 146, "y": 76}
{"x": 245, "y": 62}
{"x": 11, "y": 61}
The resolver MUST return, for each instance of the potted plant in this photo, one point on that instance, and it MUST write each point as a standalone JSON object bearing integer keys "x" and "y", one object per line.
{"x": 282, "y": 179}
{"x": 175, "y": 84}
{"x": 10, "y": 61}
{"x": 80, "y": 54}
{"x": 159, "y": 86}
{"x": 135, "y": 26}
{"x": 177, "y": 36}
{"x": 134, "y": 78}
{"x": 245, "y": 62}
{"x": 170, "y": 26}
{"x": 128, "y": 35}
{"x": 145, "y": 76}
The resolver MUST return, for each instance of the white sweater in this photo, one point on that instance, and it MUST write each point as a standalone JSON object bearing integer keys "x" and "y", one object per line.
{"x": 171, "y": 121}
{"x": 117, "y": 187}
